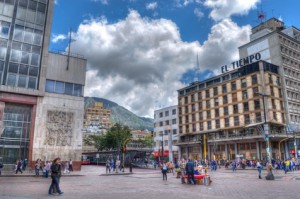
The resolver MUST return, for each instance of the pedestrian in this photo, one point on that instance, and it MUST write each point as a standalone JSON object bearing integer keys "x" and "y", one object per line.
{"x": 164, "y": 170}
{"x": 66, "y": 167}
{"x": 107, "y": 164}
{"x": 19, "y": 167}
{"x": 71, "y": 165}
{"x": 259, "y": 168}
{"x": 25, "y": 162}
{"x": 55, "y": 175}
{"x": 233, "y": 165}
{"x": 189, "y": 168}
{"x": 182, "y": 170}
{"x": 37, "y": 167}
{"x": 48, "y": 166}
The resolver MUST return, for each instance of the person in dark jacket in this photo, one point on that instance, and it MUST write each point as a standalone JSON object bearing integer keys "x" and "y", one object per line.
{"x": 190, "y": 172}
{"x": 19, "y": 166}
{"x": 55, "y": 175}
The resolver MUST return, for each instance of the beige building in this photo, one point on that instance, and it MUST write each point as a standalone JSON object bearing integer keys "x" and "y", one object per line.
{"x": 222, "y": 117}
{"x": 97, "y": 116}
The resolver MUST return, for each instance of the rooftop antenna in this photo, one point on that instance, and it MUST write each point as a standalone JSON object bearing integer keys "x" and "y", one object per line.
{"x": 197, "y": 71}
{"x": 69, "y": 50}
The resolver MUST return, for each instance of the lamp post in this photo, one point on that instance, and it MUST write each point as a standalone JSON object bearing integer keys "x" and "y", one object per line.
{"x": 162, "y": 147}
{"x": 270, "y": 175}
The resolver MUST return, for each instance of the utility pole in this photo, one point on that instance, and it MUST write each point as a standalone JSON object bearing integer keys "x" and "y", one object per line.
{"x": 69, "y": 49}
{"x": 270, "y": 175}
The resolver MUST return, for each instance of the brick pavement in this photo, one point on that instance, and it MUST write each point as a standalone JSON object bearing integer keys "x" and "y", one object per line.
{"x": 148, "y": 184}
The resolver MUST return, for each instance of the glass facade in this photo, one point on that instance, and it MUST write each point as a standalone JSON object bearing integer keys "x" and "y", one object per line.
{"x": 14, "y": 137}
{"x": 22, "y": 25}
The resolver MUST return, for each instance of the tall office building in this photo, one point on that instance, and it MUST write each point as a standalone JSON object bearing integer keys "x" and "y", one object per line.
{"x": 280, "y": 45}
{"x": 41, "y": 92}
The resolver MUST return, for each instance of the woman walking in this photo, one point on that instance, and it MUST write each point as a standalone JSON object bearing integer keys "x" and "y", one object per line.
{"x": 55, "y": 171}
{"x": 259, "y": 168}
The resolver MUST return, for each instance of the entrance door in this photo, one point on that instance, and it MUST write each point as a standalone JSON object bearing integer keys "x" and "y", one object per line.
{"x": 14, "y": 140}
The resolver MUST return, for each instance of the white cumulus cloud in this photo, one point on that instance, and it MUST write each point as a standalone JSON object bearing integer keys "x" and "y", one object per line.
{"x": 151, "y": 6}
{"x": 198, "y": 13}
{"x": 225, "y": 8}
{"x": 105, "y": 2}
{"x": 138, "y": 62}
{"x": 59, "y": 37}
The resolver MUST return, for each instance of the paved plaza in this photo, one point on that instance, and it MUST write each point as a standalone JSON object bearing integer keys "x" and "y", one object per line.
{"x": 148, "y": 184}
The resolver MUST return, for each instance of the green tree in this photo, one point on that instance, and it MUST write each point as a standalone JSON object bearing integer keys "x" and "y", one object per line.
{"x": 98, "y": 141}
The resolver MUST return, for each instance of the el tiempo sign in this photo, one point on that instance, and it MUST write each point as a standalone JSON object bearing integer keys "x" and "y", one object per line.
{"x": 242, "y": 62}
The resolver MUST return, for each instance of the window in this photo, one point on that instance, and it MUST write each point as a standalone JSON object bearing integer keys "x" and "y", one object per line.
{"x": 271, "y": 90}
{"x": 233, "y": 86}
{"x": 247, "y": 119}
{"x": 244, "y": 83}
{"x": 207, "y": 93}
{"x": 4, "y": 29}
{"x": 255, "y": 91}
{"x": 217, "y": 112}
{"x": 11, "y": 80}
{"x": 273, "y": 104}
{"x": 270, "y": 79}
{"x": 254, "y": 79}
{"x": 208, "y": 114}
{"x": 245, "y": 95}
{"x": 275, "y": 116}
{"x": 174, "y": 112}
{"x": 78, "y": 90}
{"x": 200, "y": 96}
{"x": 166, "y": 113}
{"x": 161, "y": 114}
{"x": 217, "y": 123}
{"x": 226, "y": 110}
{"x": 167, "y": 122}
{"x": 236, "y": 121}
{"x": 50, "y": 86}
{"x": 235, "y": 108}
{"x": 225, "y": 100}
{"x": 234, "y": 97}
{"x": 227, "y": 122}
{"x": 216, "y": 91}
{"x": 256, "y": 104}
{"x": 216, "y": 102}
{"x": 173, "y": 121}
{"x": 59, "y": 87}
{"x": 201, "y": 115}
{"x": 246, "y": 107}
{"x": 224, "y": 88}
{"x": 258, "y": 117}
{"x": 208, "y": 124}
{"x": 174, "y": 131}
{"x": 69, "y": 88}
{"x": 200, "y": 106}
{"x": 32, "y": 82}
{"x": 201, "y": 126}
{"x": 160, "y": 123}
{"x": 192, "y": 98}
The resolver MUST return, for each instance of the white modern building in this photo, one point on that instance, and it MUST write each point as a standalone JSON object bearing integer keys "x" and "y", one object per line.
{"x": 166, "y": 133}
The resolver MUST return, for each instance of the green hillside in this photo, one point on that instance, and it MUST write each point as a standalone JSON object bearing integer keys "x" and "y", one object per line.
{"x": 121, "y": 115}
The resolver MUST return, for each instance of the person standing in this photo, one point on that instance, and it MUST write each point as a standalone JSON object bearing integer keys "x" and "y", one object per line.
{"x": 37, "y": 167}
{"x": 164, "y": 170}
{"x": 19, "y": 166}
{"x": 70, "y": 165}
{"x": 190, "y": 172}
{"x": 182, "y": 170}
{"x": 233, "y": 165}
{"x": 55, "y": 172}
{"x": 48, "y": 166}
{"x": 107, "y": 164}
{"x": 259, "y": 168}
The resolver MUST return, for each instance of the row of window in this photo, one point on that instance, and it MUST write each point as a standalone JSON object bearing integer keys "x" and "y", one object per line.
{"x": 166, "y": 113}
{"x": 64, "y": 88}
{"x": 165, "y": 132}
{"x": 292, "y": 73}
{"x": 165, "y": 123}
{"x": 290, "y": 62}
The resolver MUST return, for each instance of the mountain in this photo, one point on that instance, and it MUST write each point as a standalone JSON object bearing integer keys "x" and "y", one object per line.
{"x": 121, "y": 115}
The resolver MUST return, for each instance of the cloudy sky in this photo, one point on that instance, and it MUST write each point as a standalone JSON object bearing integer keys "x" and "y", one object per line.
{"x": 140, "y": 52}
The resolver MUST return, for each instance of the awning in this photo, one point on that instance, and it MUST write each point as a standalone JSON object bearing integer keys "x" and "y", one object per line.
{"x": 254, "y": 124}
{"x": 158, "y": 154}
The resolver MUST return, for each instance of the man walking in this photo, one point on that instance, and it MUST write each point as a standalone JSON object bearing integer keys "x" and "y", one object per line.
{"x": 233, "y": 165}
{"x": 164, "y": 170}
{"x": 190, "y": 172}
{"x": 55, "y": 171}
{"x": 107, "y": 166}
{"x": 70, "y": 165}
{"x": 259, "y": 168}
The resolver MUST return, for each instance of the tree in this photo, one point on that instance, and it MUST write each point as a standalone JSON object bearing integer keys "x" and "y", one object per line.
{"x": 98, "y": 141}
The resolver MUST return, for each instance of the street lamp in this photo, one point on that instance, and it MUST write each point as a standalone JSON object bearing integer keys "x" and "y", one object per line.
{"x": 270, "y": 175}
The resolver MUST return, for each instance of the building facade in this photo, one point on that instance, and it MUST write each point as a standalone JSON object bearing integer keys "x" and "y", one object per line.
{"x": 97, "y": 116}
{"x": 222, "y": 117}
{"x": 166, "y": 133}
{"x": 280, "y": 45}
{"x": 41, "y": 93}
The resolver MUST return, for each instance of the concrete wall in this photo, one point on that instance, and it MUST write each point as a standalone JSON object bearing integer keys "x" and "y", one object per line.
{"x": 57, "y": 69}
{"x": 54, "y": 136}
